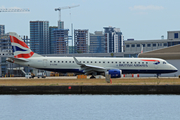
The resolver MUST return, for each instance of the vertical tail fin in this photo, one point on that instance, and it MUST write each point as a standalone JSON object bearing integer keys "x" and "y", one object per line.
{"x": 19, "y": 47}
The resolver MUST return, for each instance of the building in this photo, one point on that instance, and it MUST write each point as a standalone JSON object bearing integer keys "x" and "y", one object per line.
{"x": 51, "y": 38}
{"x": 39, "y": 35}
{"x": 60, "y": 41}
{"x": 7, "y": 68}
{"x": 150, "y": 45}
{"x": 173, "y": 35}
{"x": 2, "y": 29}
{"x": 60, "y": 24}
{"x": 170, "y": 54}
{"x": 97, "y": 42}
{"x": 81, "y": 41}
{"x": 114, "y": 39}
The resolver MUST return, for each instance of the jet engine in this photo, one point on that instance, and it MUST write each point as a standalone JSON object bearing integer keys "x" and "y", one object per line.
{"x": 115, "y": 73}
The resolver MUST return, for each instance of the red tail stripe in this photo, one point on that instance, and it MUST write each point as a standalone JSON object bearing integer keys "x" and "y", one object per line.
{"x": 15, "y": 40}
{"x": 27, "y": 55}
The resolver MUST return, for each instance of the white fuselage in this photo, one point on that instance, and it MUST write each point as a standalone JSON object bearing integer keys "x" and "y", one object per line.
{"x": 127, "y": 65}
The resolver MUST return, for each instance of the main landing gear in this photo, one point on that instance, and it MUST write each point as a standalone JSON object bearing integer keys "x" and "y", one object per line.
{"x": 92, "y": 77}
{"x": 158, "y": 75}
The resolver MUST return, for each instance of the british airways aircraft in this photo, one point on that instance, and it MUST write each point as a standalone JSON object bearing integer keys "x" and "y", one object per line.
{"x": 86, "y": 65}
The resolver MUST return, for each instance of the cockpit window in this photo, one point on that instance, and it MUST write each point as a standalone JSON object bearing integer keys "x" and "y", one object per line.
{"x": 164, "y": 62}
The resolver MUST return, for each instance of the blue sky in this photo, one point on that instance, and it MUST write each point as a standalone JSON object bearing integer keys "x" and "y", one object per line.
{"x": 138, "y": 19}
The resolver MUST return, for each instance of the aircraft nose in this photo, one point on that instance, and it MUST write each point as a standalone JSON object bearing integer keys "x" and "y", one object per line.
{"x": 174, "y": 68}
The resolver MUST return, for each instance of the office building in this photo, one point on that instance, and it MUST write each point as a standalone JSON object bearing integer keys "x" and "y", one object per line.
{"x": 2, "y": 29}
{"x": 114, "y": 39}
{"x": 51, "y": 38}
{"x": 60, "y": 24}
{"x": 39, "y": 35}
{"x": 97, "y": 42}
{"x": 132, "y": 45}
{"x": 60, "y": 41}
{"x": 81, "y": 41}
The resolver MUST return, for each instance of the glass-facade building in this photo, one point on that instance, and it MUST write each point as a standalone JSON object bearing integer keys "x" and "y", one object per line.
{"x": 114, "y": 39}
{"x": 2, "y": 29}
{"x": 97, "y": 42}
{"x": 81, "y": 41}
{"x": 60, "y": 41}
{"x": 51, "y": 38}
{"x": 39, "y": 37}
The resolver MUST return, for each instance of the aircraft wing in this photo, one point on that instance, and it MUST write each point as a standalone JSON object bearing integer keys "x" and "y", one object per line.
{"x": 90, "y": 68}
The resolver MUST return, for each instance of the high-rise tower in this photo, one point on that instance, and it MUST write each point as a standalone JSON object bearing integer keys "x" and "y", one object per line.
{"x": 2, "y": 29}
{"x": 39, "y": 36}
{"x": 81, "y": 41}
{"x": 114, "y": 39}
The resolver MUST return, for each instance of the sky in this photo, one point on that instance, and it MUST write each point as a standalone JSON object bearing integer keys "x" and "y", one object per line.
{"x": 137, "y": 19}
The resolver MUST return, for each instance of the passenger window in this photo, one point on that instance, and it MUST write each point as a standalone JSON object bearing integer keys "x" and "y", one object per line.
{"x": 108, "y": 61}
{"x": 58, "y": 61}
{"x": 127, "y": 62}
{"x": 146, "y": 62}
{"x": 83, "y": 61}
{"x": 119, "y": 62}
{"x": 54, "y": 61}
{"x": 112, "y": 62}
{"x": 91, "y": 62}
{"x": 116, "y": 62}
{"x": 123, "y": 62}
{"x": 139, "y": 62}
{"x": 134, "y": 62}
{"x": 72, "y": 61}
{"x": 50, "y": 61}
{"x": 142, "y": 62}
{"x": 99, "y": 62}
{"x": 66, "y": 61}
{"x": 103, "y": 62}
{"x": 95, "y": 62}
{"x": 87, "y": 61}
{"x": 69, "y": 61}
{"x": 131, "y": 62}
{"x": 62, "y": 61}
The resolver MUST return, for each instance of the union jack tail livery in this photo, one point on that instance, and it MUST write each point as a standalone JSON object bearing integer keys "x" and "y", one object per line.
{"x": 19, "y": 47}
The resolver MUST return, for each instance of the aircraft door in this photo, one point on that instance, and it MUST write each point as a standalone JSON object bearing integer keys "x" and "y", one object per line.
{"x": 45, "y": 62}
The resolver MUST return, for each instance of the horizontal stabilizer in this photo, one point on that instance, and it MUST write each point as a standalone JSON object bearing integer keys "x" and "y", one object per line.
{"x": 12, "y": 59}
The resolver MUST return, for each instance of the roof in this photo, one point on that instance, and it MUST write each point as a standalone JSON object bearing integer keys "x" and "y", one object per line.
{"x": 172, "y": 52}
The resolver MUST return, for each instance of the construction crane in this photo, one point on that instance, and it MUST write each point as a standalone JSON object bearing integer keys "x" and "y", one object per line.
{"x": 14, "y": 10}
{"x": 67, "y": 7}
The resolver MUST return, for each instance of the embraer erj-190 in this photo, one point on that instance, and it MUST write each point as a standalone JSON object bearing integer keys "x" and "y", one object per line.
{"x": 86, "y": 65}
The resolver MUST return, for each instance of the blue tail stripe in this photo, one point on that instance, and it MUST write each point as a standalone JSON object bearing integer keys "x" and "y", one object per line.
{"x": 15, "y": 48}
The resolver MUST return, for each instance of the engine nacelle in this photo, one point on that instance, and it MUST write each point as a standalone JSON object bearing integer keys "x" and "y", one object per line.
{"x": 115, "y": 73}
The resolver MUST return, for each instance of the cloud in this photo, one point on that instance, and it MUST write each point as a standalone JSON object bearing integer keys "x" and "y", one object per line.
{"x": 149, "y": 7}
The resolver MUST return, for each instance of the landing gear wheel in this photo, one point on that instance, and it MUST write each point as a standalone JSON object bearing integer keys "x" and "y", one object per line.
{"x": 92, "y": 77}
{"x": 158, "y": 75}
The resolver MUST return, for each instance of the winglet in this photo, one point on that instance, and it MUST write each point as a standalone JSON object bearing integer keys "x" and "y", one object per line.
{"x": 77, "y": 61}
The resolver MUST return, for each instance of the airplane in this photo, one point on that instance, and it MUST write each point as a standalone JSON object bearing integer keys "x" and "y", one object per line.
{"x": 114, "y": 67}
